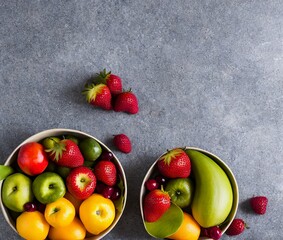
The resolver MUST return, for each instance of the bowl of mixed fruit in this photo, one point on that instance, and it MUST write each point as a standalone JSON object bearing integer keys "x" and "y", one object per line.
{"x": 62, "y": 184}
{"x": 188, "y": 193}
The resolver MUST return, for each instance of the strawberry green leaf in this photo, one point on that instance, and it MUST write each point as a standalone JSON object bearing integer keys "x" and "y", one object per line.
{"x": 89, "y": 92}
{"x": 102, "y": 77}
{"x": 57, "y": 150}
{"x": 167, "y": 158}
{"x": 168, "y": 224}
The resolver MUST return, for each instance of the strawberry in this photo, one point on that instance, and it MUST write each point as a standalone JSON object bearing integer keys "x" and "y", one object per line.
{"x": 126, "y": 102}
{"x": 155, "y": 204}
{"x": 113, "y": 82}
{"x": 236, "y": 227}
{"x": 175, "y": 164}
{"x": 81, "y": 182}
{"x": 98, "y": 95}
{"x": 259, "y": 204}
{"x": 65, "y": 153}
{"x": 105, "y": 171}
{"x": 123, "y": 143}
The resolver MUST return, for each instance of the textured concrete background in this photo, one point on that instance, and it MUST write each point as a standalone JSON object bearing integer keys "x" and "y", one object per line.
{"x": 206, "y": 73}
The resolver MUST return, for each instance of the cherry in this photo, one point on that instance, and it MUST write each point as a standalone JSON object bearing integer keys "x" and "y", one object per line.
{"x": 214, "y": 232}
{"x": 106, "y": 156}
{"x": 100, "y": 187}
{"x": 116, "y": 193}
{"x": 204, "y": 232}
{"x": 40, "y": 207}
{"x": 151, "y": 184}
{"x": 107, "y": 192}
{"x": 30, "y": 207}
{"x": 160, "y": 179}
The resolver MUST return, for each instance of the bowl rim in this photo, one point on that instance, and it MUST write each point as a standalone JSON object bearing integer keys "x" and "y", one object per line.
{"x": 220, "y": 162}
{"x": 56, "y": 132}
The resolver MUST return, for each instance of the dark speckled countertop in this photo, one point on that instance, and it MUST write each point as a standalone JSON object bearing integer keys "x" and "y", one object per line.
{"x": 207, "y": 74}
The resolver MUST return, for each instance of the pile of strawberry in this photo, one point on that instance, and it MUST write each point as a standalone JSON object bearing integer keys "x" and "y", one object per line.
{"x": 106, "y": 92}
{"x": 102, "y": 171}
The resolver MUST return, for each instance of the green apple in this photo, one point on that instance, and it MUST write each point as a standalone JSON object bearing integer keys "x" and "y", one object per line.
{"x": 89, "y": 164}
{"x": 51, "y": 167}
{"x": 90, "y": 149}
{"x": 180, "y": 191}
{"x": 5, "y": 171}
{"x": 16, "y": 191}
{"x": 48, "y": 187}
{"x": 49, "y": 142}
{"x": 63, "y": 171}
{"x": 73, "y": 138}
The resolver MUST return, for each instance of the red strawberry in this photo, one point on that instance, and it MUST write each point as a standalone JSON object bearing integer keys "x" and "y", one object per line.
{"x": 155, "y": 204}
{"x": 113, "y": 82}
{"x": 236, "y": 227}
{"x": 105, "y": 171}
{"x": 126, "y": 102}
{"x": 98, "y": 95}
{"x": 175, "y": 164}
{"x": 81, "y": 182}
{"x": 66, "y": 153}
{"x": 123, "y": 143}
{"x": 259, "y": 204}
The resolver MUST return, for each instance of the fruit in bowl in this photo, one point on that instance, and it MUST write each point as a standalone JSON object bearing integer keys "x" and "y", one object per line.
{"x": 58, "y": 181}
{"x": 188, "y": 193}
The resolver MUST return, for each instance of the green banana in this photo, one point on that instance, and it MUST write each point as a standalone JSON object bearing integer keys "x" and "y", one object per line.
{"x": 213, "y": 197}
{"x": 5, "y": 171}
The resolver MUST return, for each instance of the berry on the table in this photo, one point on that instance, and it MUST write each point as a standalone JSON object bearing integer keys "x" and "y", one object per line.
{"x": 123, "y": 143}
{"x": 259, "y": 204}
{"x": 98, "y": 95}
{"x": 236, "y": 227}
{"x": 126, "y": 102}
{"x": 113, "y": 82}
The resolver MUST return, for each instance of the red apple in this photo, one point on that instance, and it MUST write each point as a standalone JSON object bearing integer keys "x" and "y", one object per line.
{"x": 81, "y": 182}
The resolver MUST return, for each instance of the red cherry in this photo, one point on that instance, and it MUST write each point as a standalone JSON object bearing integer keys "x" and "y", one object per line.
{"x": 204, "y": 232}
{"x": 40, "y": 207}
{"x": 100, "y": 187}
{"x": 116, "y": 193}
{"x": 107, "y": 192}
{"x": 160, "y": 179}
{"x": 106, "y": 156}
{"x": 151, "y": 184}
{"x": 30, "y": 207}
{"x": 214, "y": 232}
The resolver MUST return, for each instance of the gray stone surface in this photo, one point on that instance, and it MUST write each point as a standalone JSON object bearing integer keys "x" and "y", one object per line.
{"x": 206, "y": 73}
